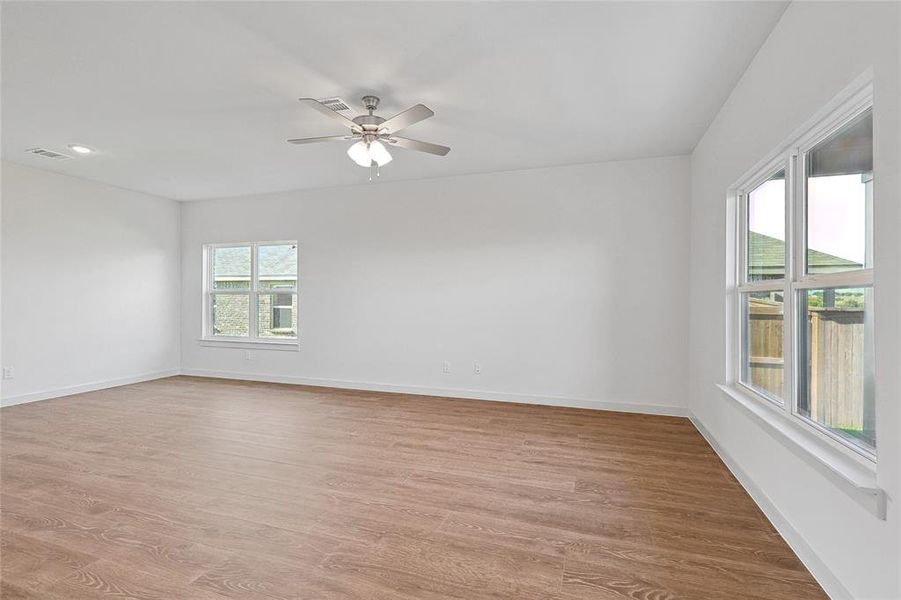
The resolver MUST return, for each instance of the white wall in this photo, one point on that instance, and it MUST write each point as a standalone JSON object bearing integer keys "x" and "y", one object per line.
{"x": 565, "y": 282}
{"x": 813, "y": 53}
{"x": 90, "y": 284}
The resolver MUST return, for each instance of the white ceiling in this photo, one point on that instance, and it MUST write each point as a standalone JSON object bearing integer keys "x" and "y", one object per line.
{"x": 194, "y": 100}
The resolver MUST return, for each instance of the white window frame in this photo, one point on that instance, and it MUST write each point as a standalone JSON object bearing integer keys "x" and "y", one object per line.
{"x": 253, "y": 339}
{"x": 854, "y": 465}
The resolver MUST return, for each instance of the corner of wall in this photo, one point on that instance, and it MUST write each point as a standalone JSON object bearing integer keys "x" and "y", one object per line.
{"x": 179, "y": 288}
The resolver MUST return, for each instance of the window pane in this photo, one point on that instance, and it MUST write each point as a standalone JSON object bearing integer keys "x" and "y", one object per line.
{"x": 840, "y": 199}
{"x": 762, "y": 363}
{"x": 766, "y": 229}
{"x": 278, "y": 266}
{"x": 231, "y": 314}
{"x": 836, "y": 362}
{"x": 231, "y": 268}
{"x": 278, "y": 315}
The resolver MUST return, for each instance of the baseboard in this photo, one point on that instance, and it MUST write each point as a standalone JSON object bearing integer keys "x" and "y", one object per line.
{"x": 563, "y": 401}
{"x": 822, "y": 573}
{"x": 85, "y": 387}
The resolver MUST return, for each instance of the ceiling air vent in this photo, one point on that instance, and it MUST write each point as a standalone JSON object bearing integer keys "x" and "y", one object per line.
{"x": 48, "y": 153}
{"x": 336, "y": 104}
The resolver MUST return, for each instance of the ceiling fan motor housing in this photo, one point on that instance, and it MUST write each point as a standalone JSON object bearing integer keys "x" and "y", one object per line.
{"x": 369, "y": 121}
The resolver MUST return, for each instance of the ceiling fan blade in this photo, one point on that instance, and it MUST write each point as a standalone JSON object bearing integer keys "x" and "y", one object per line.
{"x": 315, "y": 104}
{"x": 405, "y": 119}
{"x": 409, "y": 144}
{"x": 327, "y": 138}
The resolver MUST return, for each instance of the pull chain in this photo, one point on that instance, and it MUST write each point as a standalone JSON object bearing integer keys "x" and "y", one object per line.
{"x": 378, "y": 170}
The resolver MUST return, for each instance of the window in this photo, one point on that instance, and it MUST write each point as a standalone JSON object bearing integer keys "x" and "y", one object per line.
{"x": 282, "y": 311}
{"x": 803, "y": 299}
{"x": 763, "y": 322}
{"x": 251, "y": 291}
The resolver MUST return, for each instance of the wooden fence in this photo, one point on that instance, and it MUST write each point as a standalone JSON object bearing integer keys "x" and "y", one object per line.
{"x": 836, "y": 360}
{"x": 836, "y": 367}
{"x": 765, "y": 334}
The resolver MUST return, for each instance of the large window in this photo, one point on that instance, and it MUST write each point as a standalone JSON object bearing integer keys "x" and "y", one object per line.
{"x": 804, "y": 290}
{"x": 251, "y": 291}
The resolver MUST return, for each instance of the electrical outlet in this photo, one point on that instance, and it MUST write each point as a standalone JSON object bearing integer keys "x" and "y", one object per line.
{"x": 447, "y": 367}
{"x": 8, "y": 373}
{"x": 477, "y": 368}
{"x": 248, "y": 355}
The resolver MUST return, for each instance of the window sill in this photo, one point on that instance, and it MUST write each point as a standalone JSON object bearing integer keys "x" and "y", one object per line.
{"x": 857, "y": 476}
{"x": 284, "y": 345}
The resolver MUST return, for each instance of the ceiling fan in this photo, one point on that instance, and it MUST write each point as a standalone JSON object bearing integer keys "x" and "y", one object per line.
{"x": 372, "y": 132}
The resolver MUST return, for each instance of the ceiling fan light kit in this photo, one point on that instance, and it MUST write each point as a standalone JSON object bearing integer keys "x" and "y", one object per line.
{"x": 371, "y": 133}
{"x": 364, "y": 153}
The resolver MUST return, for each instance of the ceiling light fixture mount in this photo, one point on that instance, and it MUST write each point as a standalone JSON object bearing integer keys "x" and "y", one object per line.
{"x": 372, "y": 133}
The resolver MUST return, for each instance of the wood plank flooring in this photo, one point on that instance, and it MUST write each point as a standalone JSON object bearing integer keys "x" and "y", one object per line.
{"x": 189, "y": 488}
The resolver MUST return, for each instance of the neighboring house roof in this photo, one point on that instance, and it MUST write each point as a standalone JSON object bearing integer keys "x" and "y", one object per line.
{"x": 276, "y": 262}
{"x": 767, "y": 257}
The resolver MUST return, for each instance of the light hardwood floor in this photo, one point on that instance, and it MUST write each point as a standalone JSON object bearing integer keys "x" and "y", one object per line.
{"x": 189, "y": 488}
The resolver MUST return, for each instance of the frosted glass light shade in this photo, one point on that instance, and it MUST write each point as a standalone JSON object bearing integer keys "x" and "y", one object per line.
{"x": 365, "y": 153}
{"x": 379, "y": 153}
{"x": 359, "y": 153}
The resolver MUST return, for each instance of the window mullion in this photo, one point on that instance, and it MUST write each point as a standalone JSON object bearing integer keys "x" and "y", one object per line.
{"x": 793, "y": 220}
{"x": 254, "y": 291}
{"x": 799, "y": 268}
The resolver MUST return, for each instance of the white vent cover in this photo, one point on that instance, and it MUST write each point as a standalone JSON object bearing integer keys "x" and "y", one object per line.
{"x": 336, "y": 104}
{"x": 48, "y": 153}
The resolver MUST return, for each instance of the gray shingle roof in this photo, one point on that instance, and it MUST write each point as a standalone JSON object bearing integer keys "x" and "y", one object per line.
{"x": 275, "y": 261}
{"x": 767, "y": 257}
